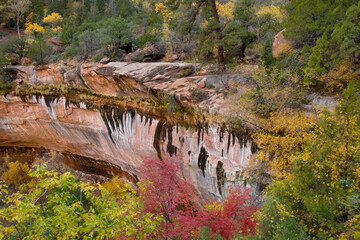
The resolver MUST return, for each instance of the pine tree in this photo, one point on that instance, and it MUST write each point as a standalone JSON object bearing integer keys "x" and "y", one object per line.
{"x": 346, "y": 35}
{"x": 319, "y": 60}
{"x": 267, "y": 55}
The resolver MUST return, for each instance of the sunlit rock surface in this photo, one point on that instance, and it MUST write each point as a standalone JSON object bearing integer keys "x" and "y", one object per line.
{"x": 211, "y": 159}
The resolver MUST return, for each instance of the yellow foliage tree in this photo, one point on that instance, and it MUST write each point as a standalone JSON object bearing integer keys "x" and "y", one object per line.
{"x": 117, "y": 187}
{"x": 284, "y": 134}
{"x": 167, "y": 16}
{"x": 34, "y": 28}
{"x": 17, "y": 174}
{"x": 226, "y": 10}
{"x": 339, "y": 76}
{"x": 54, "y": 20}
{"x": 274, "y": 11}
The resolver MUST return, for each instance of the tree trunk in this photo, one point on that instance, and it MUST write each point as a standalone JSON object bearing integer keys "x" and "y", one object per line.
{"x": 220, "y": 50}
{"x": 18, "y": 23}
{"x": 243, "y": 47}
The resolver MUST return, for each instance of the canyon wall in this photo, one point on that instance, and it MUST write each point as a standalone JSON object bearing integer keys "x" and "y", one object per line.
{"x": 211, "y": 158}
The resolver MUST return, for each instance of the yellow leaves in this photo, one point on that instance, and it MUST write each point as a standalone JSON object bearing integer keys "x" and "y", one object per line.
{"x": 214, "y": 206}
{"x": 34, "y": 28}
{"x": 167, "y": 16}
{"x": 160, "y": 7}
{"x": 226, "y": 10}
{"x": 56, "y": 29}
{"x": 352, "y": 229}
{"x": 17, "y": 174}
{"x": 53, "y": 18}
{"x": 285, "y": 134}
{"x": 339, "y": 76}
{"x": 274, "y": 11}
{"x": 118, "y": 188}
{"x": 204, "y": 24}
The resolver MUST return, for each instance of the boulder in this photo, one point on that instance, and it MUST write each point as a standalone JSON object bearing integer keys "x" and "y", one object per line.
{"x": 148, "y": 54}
{"x": 55, "y": 43}
{"x": 105, "y": 60}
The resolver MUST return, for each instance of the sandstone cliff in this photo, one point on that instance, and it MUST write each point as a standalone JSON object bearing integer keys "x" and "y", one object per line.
{"x": 116, "y": 131}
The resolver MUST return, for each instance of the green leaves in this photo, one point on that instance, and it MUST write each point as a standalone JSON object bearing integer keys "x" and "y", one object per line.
{"x": 346, "y": 34}
{"x": 324, "y": 178}
{"x": 60, "y": 207}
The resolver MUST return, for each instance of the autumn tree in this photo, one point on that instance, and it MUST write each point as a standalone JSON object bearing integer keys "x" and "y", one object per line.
{"x": 284, "y": 133}
{"x": 319, "y": 197}
{"x": 53, "y": 19}
{"x": 233, "y": 216}
{"x": 166, "y": 195}
{"x": 17, "y": 174}
{"x": 56, "y": 206}
{"x": 18, "y": 7}
{"x": 39, "y": 51}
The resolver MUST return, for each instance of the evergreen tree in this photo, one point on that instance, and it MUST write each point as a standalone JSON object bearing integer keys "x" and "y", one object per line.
{"x": 346, "y": 35}
{"x": 319, "y": 59}
{"x": 39, "y": 50}
{"x": 267, "y": 55}
{"x": 237, "y": 34}
{"x": 308, "y": 20}
{"x": 38, "y": 12}
{"x": 68, "y": 31}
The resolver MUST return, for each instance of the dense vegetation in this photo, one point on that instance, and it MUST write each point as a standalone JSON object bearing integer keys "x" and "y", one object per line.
{"x": 310, "y": 163}
{"x": 49, "y": 205}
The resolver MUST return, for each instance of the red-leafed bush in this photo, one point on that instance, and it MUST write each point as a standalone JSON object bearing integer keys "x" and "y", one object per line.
{"x": 165, "y": 193}
{"x": 233, "y": 216}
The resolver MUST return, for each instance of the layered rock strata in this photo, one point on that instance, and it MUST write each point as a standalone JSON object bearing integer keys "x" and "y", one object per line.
{"x": 117, "y": 137}
{"x": 211, "y": 158}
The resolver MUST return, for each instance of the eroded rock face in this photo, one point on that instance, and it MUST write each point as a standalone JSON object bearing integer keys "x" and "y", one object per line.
{"x": 117, "y": 140}
{"x": 280, "y": 44}
{"x": 211, "y": 158}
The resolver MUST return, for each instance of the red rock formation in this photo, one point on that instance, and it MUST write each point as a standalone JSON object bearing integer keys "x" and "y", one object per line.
{"x": 55, "y": 43}
{"x": 280, "y": 44}
{"x": 210, "y": 158}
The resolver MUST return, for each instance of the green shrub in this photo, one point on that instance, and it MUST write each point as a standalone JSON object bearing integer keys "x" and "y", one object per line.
{"x": 147, "y": 39}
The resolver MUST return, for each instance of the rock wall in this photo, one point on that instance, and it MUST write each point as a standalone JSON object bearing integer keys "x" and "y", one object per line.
{"x": 211, "y": 158}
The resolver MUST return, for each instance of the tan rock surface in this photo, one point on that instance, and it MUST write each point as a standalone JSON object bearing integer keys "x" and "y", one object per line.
{"x": 280, "y": 44}
{"x": 123, "y": 139}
